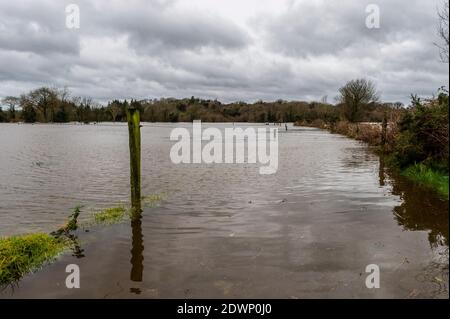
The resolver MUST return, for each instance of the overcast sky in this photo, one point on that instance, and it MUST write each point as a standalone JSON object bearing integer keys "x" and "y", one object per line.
{"x": 225, "y": 49}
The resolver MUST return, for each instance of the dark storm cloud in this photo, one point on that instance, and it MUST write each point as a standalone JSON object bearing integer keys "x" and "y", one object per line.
{"x": 230, "y": 50}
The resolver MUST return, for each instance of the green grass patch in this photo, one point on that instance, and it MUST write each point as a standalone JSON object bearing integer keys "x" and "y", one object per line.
{"x": 428, "y": 177}
{"x": 110, "y": 215}
{"x": 25, "y": 253}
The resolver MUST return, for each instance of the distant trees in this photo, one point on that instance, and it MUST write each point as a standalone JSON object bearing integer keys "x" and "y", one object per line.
{"x": 12, "y": 102}
{"x": 54, "y": 105}
{"x": 2, "y": 116}
{"x": 41, "y": 105}
{"x": 44, "y": 100}
{"x": 28, "y": 112}
{"x": 44, "y": 105}
{"x": 114, "y": 109}
{"x": 83, "y": 110}
{"x": 356, "y": 94}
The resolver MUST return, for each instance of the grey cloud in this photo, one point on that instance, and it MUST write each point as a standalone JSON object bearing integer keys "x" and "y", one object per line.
{"x": 163, "y": 26}
{"x": 154, "y": 48}
{"x": 308, "y": 28}
{"x": 37, "y": 27}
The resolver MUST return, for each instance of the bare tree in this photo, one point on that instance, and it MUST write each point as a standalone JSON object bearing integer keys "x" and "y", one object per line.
{"x": 12, "y": 103}
{"x": 443, "y": 32}
{"x": 355, "y": 94}
{"x": 114, "y": 110}
{"x": 44, "y": 100}
{"x": 64, "y": 94}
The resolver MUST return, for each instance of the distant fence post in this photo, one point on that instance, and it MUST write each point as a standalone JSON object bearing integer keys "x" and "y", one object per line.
{"x": 384, "y": 125}
{"x": 134, "y": 133}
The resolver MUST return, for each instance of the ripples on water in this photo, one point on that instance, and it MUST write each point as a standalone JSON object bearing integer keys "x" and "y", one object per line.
{"x": 308, "y": 230}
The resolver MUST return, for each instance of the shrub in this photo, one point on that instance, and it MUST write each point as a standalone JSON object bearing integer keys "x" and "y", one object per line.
{"x": 423, "y": 132}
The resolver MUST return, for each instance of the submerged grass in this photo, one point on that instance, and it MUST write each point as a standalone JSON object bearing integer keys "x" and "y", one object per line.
{"x": 110, "y": 215}
{"x": 117, "y": 214}
{"x": 22, "y": 254}
{"x": 152, "y": 199}
{"x": 426, "y": 176}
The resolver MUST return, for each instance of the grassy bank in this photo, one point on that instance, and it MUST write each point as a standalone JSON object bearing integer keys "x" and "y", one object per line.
{"x": 428, "y": 177}
{"x": 23, "y": 254}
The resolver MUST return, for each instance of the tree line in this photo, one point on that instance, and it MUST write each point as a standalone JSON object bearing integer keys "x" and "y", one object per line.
{"x": 53, "y": 105}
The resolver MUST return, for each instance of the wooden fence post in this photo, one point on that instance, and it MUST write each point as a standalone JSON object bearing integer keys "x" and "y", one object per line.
{"x": 384, "y": 125}
{"x": 134, "y": 132}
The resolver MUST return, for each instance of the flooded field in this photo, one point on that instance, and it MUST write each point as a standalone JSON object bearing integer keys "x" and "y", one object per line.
{"x": 223, "y": 230}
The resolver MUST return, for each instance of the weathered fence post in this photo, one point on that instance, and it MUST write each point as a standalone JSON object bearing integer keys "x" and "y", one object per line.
{"x": 384, "y": 125}
{"x": 137, "y": 248}
{"x": 134, "y": 132}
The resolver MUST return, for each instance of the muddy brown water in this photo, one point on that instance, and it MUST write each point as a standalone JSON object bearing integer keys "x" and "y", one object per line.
{"x": 222, "y": 230}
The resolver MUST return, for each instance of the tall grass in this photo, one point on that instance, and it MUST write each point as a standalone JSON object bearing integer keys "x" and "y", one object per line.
{"x": 428, "y": 177}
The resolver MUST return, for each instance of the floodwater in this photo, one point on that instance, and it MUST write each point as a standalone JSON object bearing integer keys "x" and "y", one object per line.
{"x": 222, "y": 230}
